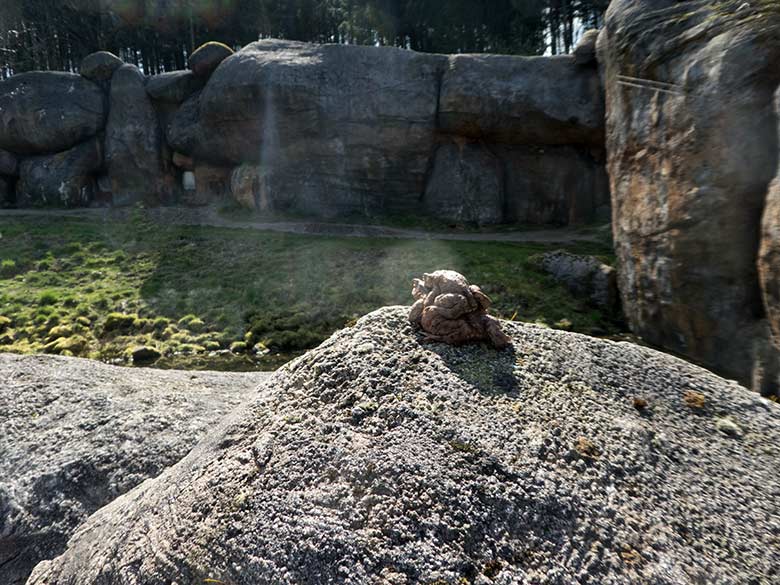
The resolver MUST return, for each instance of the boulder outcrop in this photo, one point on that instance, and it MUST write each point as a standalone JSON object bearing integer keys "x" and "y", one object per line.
{"x": 692, "y": 143}
{"x": 173, "y": 87}
{"x": 522, "y": 100}
{"x": 769, "y": 254}
{"x": 134, "y": 142}
{"x": 585, "y": 277}
{"x": 206, "y": 58}
{"x": 75, "y": 434}
{"x": 100, "y": 66}
{"x": 48, "y": 112}
{"x": 341, "y": 128}
{"x": 66, "y": 179}
{"x": 375, "y": 459}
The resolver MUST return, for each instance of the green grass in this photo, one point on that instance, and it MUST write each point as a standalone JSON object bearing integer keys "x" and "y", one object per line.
{"x": 97, "y": 289}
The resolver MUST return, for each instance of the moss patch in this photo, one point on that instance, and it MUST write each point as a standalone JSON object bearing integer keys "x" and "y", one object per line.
{"x": 196, "y": 292}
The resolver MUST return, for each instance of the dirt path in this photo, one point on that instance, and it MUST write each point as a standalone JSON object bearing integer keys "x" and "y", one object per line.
{"x": 209, "y": 217}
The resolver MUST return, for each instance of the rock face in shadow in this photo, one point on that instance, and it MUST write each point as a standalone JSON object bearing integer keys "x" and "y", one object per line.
{"x": 134, "y": 142}
{"x": 173, "y": 87}
{"x": 66, "y": 179}
{"x": 561, "y": 185}
{"x": 378, "y": 459}
{"x": 475, "y": 175}
{"x": 692, "y": 143}
{"x": 531, "y": 100}
{"x": 75, "y": 434}
{"x": 48, "y": 112}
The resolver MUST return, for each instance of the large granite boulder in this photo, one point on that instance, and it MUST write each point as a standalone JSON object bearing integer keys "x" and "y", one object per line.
{"x": 466, "y": 185}
{"x": 692, "y": 144}
{"x": 173, "y": 87}
{"x": 514, "y": 100}
{"x": 134, "y": 142}
{"x": 75, "y": 434}
{"x": 585, "y": 277}
{"x": 100, "y": 66}
{"x": 585, "y": 51}
{"x": 378, "y": 459}
{"x": 769, "y": 254}
{"x": 65, "y": 179}
{"x": 47, "y": 112}
{"x": 206, "y": 58}
{"x": 340, "y": 128}
{"x": 184, "y": 133}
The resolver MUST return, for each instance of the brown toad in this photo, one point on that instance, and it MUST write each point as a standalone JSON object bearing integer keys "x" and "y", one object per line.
{"x": 450, "y": 310}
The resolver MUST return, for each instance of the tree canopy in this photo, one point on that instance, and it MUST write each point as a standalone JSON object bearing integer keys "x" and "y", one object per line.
{"x": 159, "y": 34}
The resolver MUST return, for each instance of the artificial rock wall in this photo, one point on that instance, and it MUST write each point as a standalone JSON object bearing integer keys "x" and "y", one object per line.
{"x": 326, "y": 130}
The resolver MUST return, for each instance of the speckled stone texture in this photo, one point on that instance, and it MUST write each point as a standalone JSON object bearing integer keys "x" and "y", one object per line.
{"x": 375, "y": 459}
{"x": 75, "y": 434}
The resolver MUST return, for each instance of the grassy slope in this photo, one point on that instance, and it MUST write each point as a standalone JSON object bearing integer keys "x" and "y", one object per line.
{"x": 192, "y": 291}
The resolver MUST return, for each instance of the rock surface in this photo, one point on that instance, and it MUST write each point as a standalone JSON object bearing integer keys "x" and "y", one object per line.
{"x": 184, "y": 133}
{"x": 7, "y": 193}
{"x": 362, "y": 120}
{"x": 65, "y": 179}
{"x": 375, "y": 459}
{"x": 9, "y": 164}
{"x": 47, "y": 112}
{"x": 560, "y": 185}
{"x": 173, "y": 87}
{"x": 769, "y": 257}
{"x": 248, "y": 188}
{"x": 206, "y": 58}
{"x": 692, "y": 144}
{"x": 585, "y": 51}
{"x": 100, "y": 66}
{"x": 466, "y": 185}
{"x": 584, "y": 276}
{"x": 513, "y": 100}
{"x": 133, "y": 142}
{"x": 75, "y": 434}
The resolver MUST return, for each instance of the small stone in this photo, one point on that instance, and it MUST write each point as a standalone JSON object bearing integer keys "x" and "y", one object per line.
{"x": 364, "y": 348}
{"x": 728, "y": 427}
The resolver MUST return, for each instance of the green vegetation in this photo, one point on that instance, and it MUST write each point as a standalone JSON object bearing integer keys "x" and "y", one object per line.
{"x": 233, "y": 298}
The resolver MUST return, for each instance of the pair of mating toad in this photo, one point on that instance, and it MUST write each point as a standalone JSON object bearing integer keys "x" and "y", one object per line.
{"x": 451, "y": 310}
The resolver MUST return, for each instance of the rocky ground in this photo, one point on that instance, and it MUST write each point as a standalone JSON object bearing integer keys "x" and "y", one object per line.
{"x": 75, "y": 434}
{"x": 378, "y": 459}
